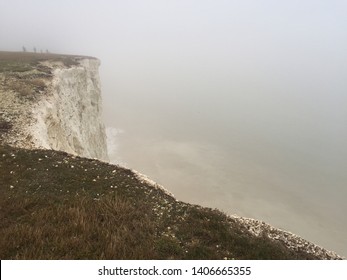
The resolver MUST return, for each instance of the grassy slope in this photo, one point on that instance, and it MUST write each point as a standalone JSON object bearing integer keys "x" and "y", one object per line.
{"x": 56, "y": 206}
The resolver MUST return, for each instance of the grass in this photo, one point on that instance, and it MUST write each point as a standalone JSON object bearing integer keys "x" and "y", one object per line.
{"x": 81, "y": 228}
{"x": 25, "y": 74}
{"x": 26, "y": 61}
{"x": 57, "y": 206}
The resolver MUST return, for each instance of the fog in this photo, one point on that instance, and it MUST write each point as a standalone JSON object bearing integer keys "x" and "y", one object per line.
{"x": 239, "y": 105}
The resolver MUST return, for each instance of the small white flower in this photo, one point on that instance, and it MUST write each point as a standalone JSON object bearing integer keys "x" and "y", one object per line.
{"x": 11, "y": 187}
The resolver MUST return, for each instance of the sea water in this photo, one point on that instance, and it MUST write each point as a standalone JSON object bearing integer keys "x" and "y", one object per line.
{"x": 277, "y": 158}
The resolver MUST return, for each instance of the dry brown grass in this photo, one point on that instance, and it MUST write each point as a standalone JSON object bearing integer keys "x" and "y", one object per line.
{"x": 22, "y": 88}
{"x": 109, "y": 228}
{"x": 24, "y": 73}
{"x": 25, "y": 87}
{"x": 25, "y": 61}
{"x": 38, "y": 83}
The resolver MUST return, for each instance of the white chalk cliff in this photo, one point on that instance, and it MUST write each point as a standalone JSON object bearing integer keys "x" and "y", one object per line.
{"x": 66, "y": 116}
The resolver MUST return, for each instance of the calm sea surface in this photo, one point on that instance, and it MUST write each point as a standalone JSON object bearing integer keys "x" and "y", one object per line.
{"x": 278, "y": 158}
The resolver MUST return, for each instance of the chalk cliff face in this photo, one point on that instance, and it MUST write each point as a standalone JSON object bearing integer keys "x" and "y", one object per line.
{"x": 55, "y": 104}
{"x": 70, "y": 118}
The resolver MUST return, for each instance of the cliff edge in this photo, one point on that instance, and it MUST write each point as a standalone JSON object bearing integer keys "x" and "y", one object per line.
{"x": 59, "y": 201}
{"x": 52, "y": 102}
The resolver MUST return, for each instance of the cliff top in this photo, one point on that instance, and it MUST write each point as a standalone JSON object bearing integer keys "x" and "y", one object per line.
{"x": 31, "y": 84}
{"x": 26, "y": 61}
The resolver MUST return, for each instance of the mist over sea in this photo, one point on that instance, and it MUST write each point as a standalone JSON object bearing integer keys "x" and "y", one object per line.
{"x": 278, "y": 158}
{"x": 239, "y": 105}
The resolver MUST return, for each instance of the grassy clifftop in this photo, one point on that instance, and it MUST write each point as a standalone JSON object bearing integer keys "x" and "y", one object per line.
{"x": 26, "y": 61}
{"x": 24, "y": 79}
{"x": 57, "y": 206}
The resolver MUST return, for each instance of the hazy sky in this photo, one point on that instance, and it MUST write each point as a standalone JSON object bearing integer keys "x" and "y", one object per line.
{"x": 191, "y": 45}
{"x": 178, "y": 51}
{"x": 248, "y": 89}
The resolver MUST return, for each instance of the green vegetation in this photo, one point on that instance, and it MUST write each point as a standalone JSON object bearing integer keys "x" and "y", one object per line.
{"x": 57, "y": 206}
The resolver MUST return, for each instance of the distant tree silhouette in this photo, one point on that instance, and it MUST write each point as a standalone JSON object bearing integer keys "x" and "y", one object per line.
{"x": 24, "y": 49}
{"x": 35, "y": 49}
